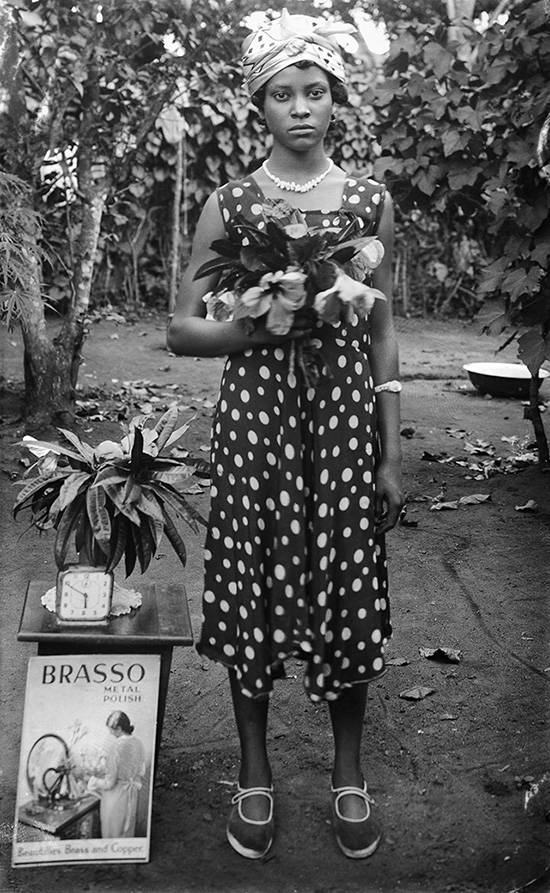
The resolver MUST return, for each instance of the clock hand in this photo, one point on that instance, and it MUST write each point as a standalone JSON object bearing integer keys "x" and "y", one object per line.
{"x": 78, "y": 592}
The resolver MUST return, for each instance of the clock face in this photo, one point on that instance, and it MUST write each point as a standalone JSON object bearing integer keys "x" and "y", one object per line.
{"x": 83, "y": 594}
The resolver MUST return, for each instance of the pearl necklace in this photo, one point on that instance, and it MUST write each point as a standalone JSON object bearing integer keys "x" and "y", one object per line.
{"x": 297, "y": 187}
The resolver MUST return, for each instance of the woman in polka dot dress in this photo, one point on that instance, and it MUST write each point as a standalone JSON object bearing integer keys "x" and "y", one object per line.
{"x": 306, "y": 481}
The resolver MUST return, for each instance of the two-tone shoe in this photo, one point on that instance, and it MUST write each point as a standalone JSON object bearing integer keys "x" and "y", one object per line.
{"x": 250, "y": 838}
{"x": 356, "y": 837}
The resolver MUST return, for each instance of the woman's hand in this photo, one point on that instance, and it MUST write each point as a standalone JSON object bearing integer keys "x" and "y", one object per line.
{"x": 389, "y": 496}
{"x": 301, "y": 328}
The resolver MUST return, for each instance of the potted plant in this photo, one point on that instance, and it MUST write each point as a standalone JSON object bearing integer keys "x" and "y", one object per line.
{"x": 115, "y": 500}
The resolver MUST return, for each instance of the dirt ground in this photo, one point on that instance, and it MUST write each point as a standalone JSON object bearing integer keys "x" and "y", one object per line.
{"x": 461, "y": 777}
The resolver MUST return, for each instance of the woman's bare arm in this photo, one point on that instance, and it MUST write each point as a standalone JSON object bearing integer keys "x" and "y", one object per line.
{"x": 384, "y": 360}
{"x": 189, "y": 332}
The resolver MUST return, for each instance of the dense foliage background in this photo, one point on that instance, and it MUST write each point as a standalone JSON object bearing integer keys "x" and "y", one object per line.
{"x": 458, "y": 129}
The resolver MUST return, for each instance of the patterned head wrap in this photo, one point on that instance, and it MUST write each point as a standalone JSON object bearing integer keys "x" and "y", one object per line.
{"x": 291, "y": 39}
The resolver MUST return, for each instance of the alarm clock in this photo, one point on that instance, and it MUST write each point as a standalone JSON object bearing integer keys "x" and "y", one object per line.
{"x": 84, "y": 594}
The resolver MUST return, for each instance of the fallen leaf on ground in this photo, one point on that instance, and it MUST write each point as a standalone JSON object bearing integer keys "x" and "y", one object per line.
{"x": 460, "y": 433}
{"x": 433, "y": 457}
{"x": 530, "y": 506}
{"x": 480, "y": 447}
{"x": 451, "y": 655}
{"x": 474, "y": 499}
{"x": 417, "y": 693}
{"x": 451, "y": 505}
{"x": 524, "y": 781}
{"x": 448, "y": 717}
{"x": 397, "y": 662}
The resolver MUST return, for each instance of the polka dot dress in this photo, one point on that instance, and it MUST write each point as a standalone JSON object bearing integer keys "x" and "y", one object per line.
{"x": 292, "y": 563}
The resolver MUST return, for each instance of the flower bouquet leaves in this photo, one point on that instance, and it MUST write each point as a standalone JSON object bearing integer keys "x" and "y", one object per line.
{"x": 279, "y": 272}
{"x": 115, "y": 500}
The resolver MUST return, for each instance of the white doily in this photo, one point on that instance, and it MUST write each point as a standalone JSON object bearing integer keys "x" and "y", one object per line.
{"x": 123, "y": 600}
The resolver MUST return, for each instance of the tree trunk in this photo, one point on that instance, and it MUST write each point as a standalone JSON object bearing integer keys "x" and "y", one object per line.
{"x": 176, "y": 211}
{"x": 93, "y": 185}
{"x": 71, "y": 336}
{"x": 10, "y": 99}
{"x": 49, "y": 391}
{"x": 49, "y": 397}
{"x": 45, "y": 367}
{"x": 533, "y": 413}
{"x": 51, "y": 363}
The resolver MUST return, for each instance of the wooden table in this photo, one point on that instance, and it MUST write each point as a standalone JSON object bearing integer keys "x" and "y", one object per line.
{"x": 156, "y": 627}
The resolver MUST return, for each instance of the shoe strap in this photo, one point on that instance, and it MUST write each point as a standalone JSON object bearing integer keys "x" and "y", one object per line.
{"x": 357, "y": 792}
{"x": 244, "y": 793}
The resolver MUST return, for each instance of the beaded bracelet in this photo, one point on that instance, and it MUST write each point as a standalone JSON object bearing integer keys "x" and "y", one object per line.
{"x": 393, "y": 386}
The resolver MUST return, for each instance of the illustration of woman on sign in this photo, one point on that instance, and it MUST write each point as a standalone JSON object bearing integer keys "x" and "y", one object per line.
{"x": 119, "y": 787}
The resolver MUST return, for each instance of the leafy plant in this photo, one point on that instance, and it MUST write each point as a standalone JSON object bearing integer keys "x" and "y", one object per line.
{"x": 19, "y": 252}
{"x": 114, "y": 500}
{"x": 457, "y": 140}
{"x": 458, "y": 132}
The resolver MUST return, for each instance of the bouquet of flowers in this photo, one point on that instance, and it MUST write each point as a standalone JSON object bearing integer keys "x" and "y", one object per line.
{"x": 278, "y": 271}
